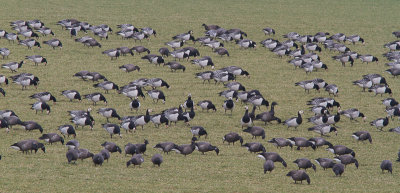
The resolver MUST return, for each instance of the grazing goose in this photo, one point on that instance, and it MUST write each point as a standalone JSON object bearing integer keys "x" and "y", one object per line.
{"x": 184, "y": 36}
{"x": 255, "y": 131}
{"x": 312, "y": 47}
{"x": 166, "y": 147}
{"x": 213, "y": 44}
{"x": 164, "y": 51}
{"x": 156, "y": 95}
{"x": 91, "y": 43}
{"x": 280, "y": 142}
{"x": 72, "y": 155}
{"x": 221, "y": 51}
{"x": 43, "y": 96}
{"x": 304, "y": 163}
{"x": 338, "y": 169}
{"x": 111, "y": 147}
{"x": 128, "y": 125}
{"x": 188, "y": 116}
{"x": 124, "y": 51}
{"x": 53, "y": 43}
{"x": 6, "y": 113}
{"x": 228, "y": 105}
{"x": 343, "y": 59}
{"x": 94, "y": 76}
{"x": 268, "y": 166}
{"x": 376, "y": 78}
{"x": 52, "y": 138}
{"x": 106, "y": 154}
{"x": 307, "y": 67}
{"x": 113, "y": 53}
{"x": 40, "y": 106}
{"x": 157, "y": 159}
{"x": 269, "y": 115}
{"x": 319, "y": 141}
{"x": 380, "y": 89}
{"x": 203, "y": 62}
{"x": 323, "y": 129}
{"x": 246, "y": 43}
{"x": 71, "y": 95}
{"x": 393, "y": 71}
{"x": 174, "y": 66}
{"x": 37, "y": 59}
{"x": 332, "y": 89}
{"x": 187, "y": 148}
{"x": 210, "y": 27}
{"x": 319, "y": 110}
{"x": 175, "y": 115}
{"x": 29, "y": 125}
{"x": 45, "y": 31}
{"x": 13, "y": 66}
{"x": 67, "y": 130}
{"x": 28, "y": 145}
{"x": 109, "y": 113}
{"x": 363, "y": 83}
{"x": 353, "y": 114}
{"x": 268, "y": 31}
{"x": 380, "y": 123}
{"x": 297, "y": 62}
{"x": 235, "y": 86}
{"x": 84, "y": 153}
{"x": 136, "y": 159}
{"x": 258, "y": 100}
{"x": 301, "y": 142}
{"x": 325, "y": 163}
{"x": 11, "y": 37}
{"x": 368, "y": 58}
{"x": 159, "y": 119}
{"x": 325, "y": 102}
{"x": 386, "y": 165}
{"x": 354, "y": 38}
{"x": 396, "y": 130}
{"x": 207, "y": 75}
{"x": 246, "y": 120}
{"x": 175, "y": 44}
{"x": 149, "y": 31}
{"x": 341, "y": 150}
{"x": 29, "y": 43}
{"x": 299, "y": 175}
{"x": 346, "y": 159}
{"x": 272, "y": 156}
{"x": 130, "y": 149}
{"x": 207, "y": 105}
{"x": 73, "y": 144}
{"x": 232, "y": 138}
{"x": 98, "y": 159}
{"x": 254, "y": 147}
{"x": 180, "y": 54}
{"x": 129, "y": 68}
{"x": 362, "y": 136}
{"x": 307, "y": 85}
{"x": 131, "y": 91}
{"x": 220, "y": 76}
{"x": 140, "y": 49}
{"x": 319, "y": 65}
{"x": 294, "y": 121}
{"x": 206, "y": 147}
{"x": 10, "y": 121}
{"x": 95, "y": 97}
{"x": 83, "y": 121}
{"x": 112, "y": 129}
{"x": 5, "y": 52}
{"x": 198, "y": 131}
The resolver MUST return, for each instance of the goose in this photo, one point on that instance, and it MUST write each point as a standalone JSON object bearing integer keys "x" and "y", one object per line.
{"x": 130, "y": 149}
{"x": 338, "y": 169}
{"x": 72, "y": 155}
{"x": 188, "y": 116}
{"x": 235, "y": 86}
{"x": 255, "y": 131}
{"x": 333, "y": 119}
{"x": 78, "y": 113}
{"x": 229, "y": 94}
{"x": 340, "y": 37}
{"x": 339, "y": 47}
{"x": 98, "y": 159}
{"x": 346, "y": 159}
{"x": 43, "y": 96}
{"x": 175, "y": 44}
{"x": 45, "y": 31}
{"x": 353, "y": 113}
{"x": 129, "y": 68}
{"x": 30, "y": 43}
{"x": 213, "y": 44}
{"x": 28, "y": 145}
{"x": 135, "y": 160}
{"x": 237, "y": 71}
{"x": 307, "y": 67}
{"x": 174, "y": 66}
{"x": 221, "y": 51}
{"x": 52, "y": 138}
{"x": 354, "y": 38}
{"x": 203, "y": 62}
{"x": 210, "y": 27}
{"x": 40, "y": 106}
{"x": 393, "y": 71}
{"x": 396, "y": 130}
{"x": 301, "y": 142}
{"x": 53, "y": 43}
{"x": 206, "y": 147}
{"x": 258, "y": 100}
{"x": 362, "y": 136}
{"x": 188, "y": 103}
{"x": 95, "y": 97}
{"x": 319, "y": 141}
{"x": 396, "y": 34}
{"x": 37, "y": 59}
{"x": 91, "y": 43}
{"x": 142, "y": 120}
{"x": 3, "y": 33}
{"x": 368, "y": 58}
{"x": 268, "y": 166}
{"x": 73, "y": 144}
{"x": 84, "y": 153}
{"x": 304, "y": 163}
{"x": 380, "y": 123}
{"x": 325, "y": 162}
{"x": 135, "y": 104}
{"x": 186, "y": 149}
{"x": 376, "y": 78}
{"x": 180, "y": 54}
{"x": 246, "y": 43}
{"x": 221, "y": 76}
{"x": 157, "y": 159}
{"x": 232, "y": 138}
{"x": 386, "y": 165}
{"x": 112, "y": 129}
{"x": 141, "y": 147}
{"x": 319, "y": 65}
{"x": 184, "y": 36}
{"x": 106, "y": 154}
{"x": 128, "y": 125}
{"x": 159, "y": 119}
{"x": 268, "y": 31}
{"x": 82, "y": 121}
{"x": 113, "y": 53}
{"x": 291, "y": 35}
{"x": 380, "y": 89}
{"x": 198, "y": 131}
{"x": 254, "y": 147}
{"x": 363, "y": 83}
{"x": 228, "y": 105}
{"x": 341, "y": 150}
{"x": 71, "y": 95}
{"x": 392, "y": 45}
{"x": 280, "y": 142}
{"x": 13, "y": 66}
{"x": 67, "y": 130}
{"x": 206, "y": 105}
{"x": 191, "y": 51}
{"x": 111, "y": 147}
{"x": 312, "y": 47}
{"x": 25, "y": 81}
{"x": 325, "y": 102}
{"x": 5, "y": 52}
{"x": 343, "y": 59}
{"x": 11, "y": 37}
{"x": 35, "y": 23}
{"x": 332, "y": 89}
{"x": 10, "y": 121}
{"x": 297, "y": 62}
{"x": 164, "y": 51}
{"x": 299, "y": 175}
{"x": 318, "y": 110}
{"x": 149, "y": 31}
{"x": 272, "y": 156}
{"x": 109, "y": 113}
{"x": 140, "y": 49}
{"x": 281, "y": 50}
{"x": 166, "y": 147}
{"x": 294, "y": 121}
{"x": 156, "y": 95}
{"x": 94, "y": 76}
{"x": 307, "y": 85}
{"x": 246, "y": 120}
{"x": 6, "y": 113}
{"x": 174, "y": 115}
{"x": 29, "y": 125}
{"x": 323, "y": 129}
{"x": 132, "y": 91}
{"x": 207, "y": 75}
{"x": 124, "y": 51}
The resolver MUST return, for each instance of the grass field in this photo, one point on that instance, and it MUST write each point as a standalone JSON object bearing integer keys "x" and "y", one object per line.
{"x": 235, "y": 169}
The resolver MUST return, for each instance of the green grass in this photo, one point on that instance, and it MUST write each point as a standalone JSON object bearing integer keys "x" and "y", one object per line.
{"x": 235, "y": 169}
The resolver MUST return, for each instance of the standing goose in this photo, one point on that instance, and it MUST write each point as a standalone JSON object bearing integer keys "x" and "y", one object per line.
{"x": 156, "y": 95}
{"x": 255, "y": 131}
{"x": 246, "y": 120}
{"x": 95, "y": 97}
{"x": 206, "y": 105}
{"x": 71, "y": 95}
{"x": 207, "y": 75}
{"x": 67, "y": 130}
{"x": 135, "y": 104}
{"x": 164, "y": 51}
{"x": 280, "y": 142}
{"x": 187, "y": 148}
{"x": 228, "y": 105}
{"x": 203, "y": 62}
{"x": 53, "y": 43}
{"x": 84, "y": 153}
{"x": 325, "y": 163}
{"x": 344, "y": 59}
{"x": 44, "y": 97}
{"x": 188, "y": 116}
{"x": 368, "y": 58}
{"x": 159, "y": 119}
{"x": 142, "y": 120}
{"x": 346, "y": 159}
{"x": 269, "y": 115}
{"x": 40, "y": 106}
{"x": 254, "y": 147}
{"x": 304, "y": 163}
{"x": 390, "y": 102}
{"x": 130, "y": 149}
{"x": 332, "y": 89}
{"x": 184, "y": 36}
{"x": 111, "y": 147}
{"x": 5, "y": 52}
{"x": 206, "y": 147}
{"x": 307, "y": 85}
{"x": 188, "y": 103}
{"x": 353, "y": 114}
{"x": 135, "y": 160}
{"x": 319, "y": 141}
{"x": 338, "y": 169}
{"x": 109, "y": 113}
{"x": 37, "y": 59}
{"x": 13, "y": 66}
{"x": 112, "y": 129}
{"x": 157, "y": 159}
{"x": 323, "y": 129}
{"x": 157, "y": 82}
{"x": 29, "y": 43}
{"x": 380, "y": 123}
{"x": 52, "y": 138}
{"x": 268, "y": 166}
{"x": 362, "y": 136}
{"x": 232, "y": 138}
{"x": 30, "y": 126}
{"x": 386, "y": 165}
{"x": 129, "y": 68}
{"x": 294, "y": 121}
{"x": 198, "y": 131}
{"x": 141, "y": 147}
{"x": 319, "y": 119}
{"x": 380, "y": 89}
{"x": 299, "y": 175}
{"x": 166, "y": 147}
{"x": 341, "y": 150}
{"x": 11, "y": 121}
{"x": 73, "y": 144}
{"x": 72, "y": 155}
{"x": 301, "y": 142}
{"x": 107, "y": 85}
{"x": 258, "y": 100}
{"x": 113, "y": 53}
{"x": 98, "y": 159}
{"x": 106, "y": 154}
{"x": 83, "y": 121}
{"x": 268, "y": 31}
{"x": 28, "y": 145}
{"x": 333, "y": 119}
{"x": 274, "y": 157}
